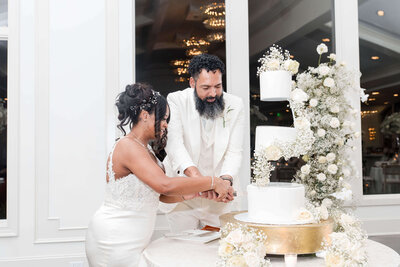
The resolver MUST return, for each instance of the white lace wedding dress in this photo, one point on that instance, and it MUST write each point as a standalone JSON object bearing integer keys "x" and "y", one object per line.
{"x": 122, "y": 227}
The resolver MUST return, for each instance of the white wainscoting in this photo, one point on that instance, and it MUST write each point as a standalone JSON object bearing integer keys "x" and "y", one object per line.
{"x": 64, "y": 79}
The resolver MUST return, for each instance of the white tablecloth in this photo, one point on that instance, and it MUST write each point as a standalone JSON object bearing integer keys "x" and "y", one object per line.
{"x": 165, "y": 252}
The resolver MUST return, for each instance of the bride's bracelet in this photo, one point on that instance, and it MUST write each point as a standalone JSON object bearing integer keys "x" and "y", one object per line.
{"x": 212, "y": 182}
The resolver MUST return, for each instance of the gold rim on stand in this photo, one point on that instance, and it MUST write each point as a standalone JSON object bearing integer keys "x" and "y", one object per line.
{"x": 288, "y": 239}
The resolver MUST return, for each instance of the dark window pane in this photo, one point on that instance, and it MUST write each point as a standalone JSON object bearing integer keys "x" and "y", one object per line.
{"x": 296, "y": 26}
{"x": 379, "y": 34}
{"x": 3, "y": 129}
{"x": 161, "y": 30}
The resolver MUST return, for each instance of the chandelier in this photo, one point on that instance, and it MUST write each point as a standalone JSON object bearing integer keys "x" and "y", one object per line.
{"x": 214, "y": 10}
{"x": 195, "y": 51}
{"x": 195, "y": 42}
{"x": 215, "y": 23}
{"x": 181, "y": 79}
{"x": 215, "y": 13}
{"x": 216, "y": 37}
{"x": 180, "y": 63}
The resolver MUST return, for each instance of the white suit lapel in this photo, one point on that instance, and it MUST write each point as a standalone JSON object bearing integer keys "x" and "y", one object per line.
{"x": 221, "y": 140}
{"x": 193, "y": 127}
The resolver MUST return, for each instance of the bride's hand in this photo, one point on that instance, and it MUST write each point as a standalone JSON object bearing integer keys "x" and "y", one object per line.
{"x": 224, "y": 190}
{"x": 191, "y": 196}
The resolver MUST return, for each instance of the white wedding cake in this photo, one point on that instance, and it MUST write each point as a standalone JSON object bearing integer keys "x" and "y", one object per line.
{"x": 275, "y": 203}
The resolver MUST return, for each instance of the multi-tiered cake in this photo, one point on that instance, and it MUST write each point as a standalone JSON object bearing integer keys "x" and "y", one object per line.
{"x": 276, "y": 203}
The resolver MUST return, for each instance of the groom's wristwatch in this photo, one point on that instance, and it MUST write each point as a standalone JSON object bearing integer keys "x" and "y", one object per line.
{"x": 227, "y": 178}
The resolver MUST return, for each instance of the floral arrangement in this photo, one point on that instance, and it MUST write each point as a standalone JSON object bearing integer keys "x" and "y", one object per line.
{"x": 242, "y": 245}
{"x": 275, "y": 59}
{"x": 347, "y": 246}
{"x": 323, "y": 119}
{"x": 3, "y": 116}
{"x": 391, "y": 124}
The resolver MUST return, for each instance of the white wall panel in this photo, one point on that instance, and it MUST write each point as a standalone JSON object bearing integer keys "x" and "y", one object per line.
{"x": 77, "y": 114}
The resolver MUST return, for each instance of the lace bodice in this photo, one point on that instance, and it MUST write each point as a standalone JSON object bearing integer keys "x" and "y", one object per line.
{"x": 129, "y": 192}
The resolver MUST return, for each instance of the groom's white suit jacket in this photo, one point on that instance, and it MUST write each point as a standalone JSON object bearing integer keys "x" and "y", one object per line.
{"x": 184, "y": 140}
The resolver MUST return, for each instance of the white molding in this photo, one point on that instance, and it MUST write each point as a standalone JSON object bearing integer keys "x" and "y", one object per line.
{"x": 10, "y": 227}
{"x": 112, "y": 69}
{"x": 48, "y": 228}
{"x": 237, "y": 75}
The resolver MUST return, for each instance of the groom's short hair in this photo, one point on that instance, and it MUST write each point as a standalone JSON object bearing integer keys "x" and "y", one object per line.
{"x": 207, "y": 62}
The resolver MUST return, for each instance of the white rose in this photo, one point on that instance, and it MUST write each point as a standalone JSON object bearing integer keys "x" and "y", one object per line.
{"x": 334, "y": 123}
{"x": 237, "y": 261}
{"x": 339, "y": 142}
{"x": 303, "y": 215}
{"x": 331, "y": 157}
{"x": 347, "y": 219}
{"x": 273, "y": 64}
{"x": 323, "y": 211}
{"x": 332, "y": 168}
{"x": 252, "y": 259}
{"x": 305, "y": 169}
{"x": 329, "y": 82}
{"x": 321, "y": 49}
{"x": 322, "y": 159}
{"x": 313, "y": 193}
{"x": 235, "y": 237}
{"x": 292, "y": 66}
{"x": 323, "y": 70}
{"x": 346, "y": 185}
{"x": 321, "y": 132}
{"x": 313, "y": 102}
{"x": 334, "y": 109}
{"x": 346, "y": 172}
{"x": 334, "y": 260}
{"x": 318, "y": 92}
{"x": 225, "y": 249}
{"x": 273, "y": 152}
{"x": 327, "y": 202}
{"x": 321, "y": 177}
{"x": 249, "y": 246}
{"x": 301, "y": 123}
{"x": 332, "y": 56}
{"x": 298, "y": 95}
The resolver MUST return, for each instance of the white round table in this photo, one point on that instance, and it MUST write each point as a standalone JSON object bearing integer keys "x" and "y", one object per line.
{"x": 166, "y": 252}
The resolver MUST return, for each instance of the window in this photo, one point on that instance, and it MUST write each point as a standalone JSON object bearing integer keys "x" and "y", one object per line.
{"x": 379, "y": 35}
{"x": 296, "y": 26}
{"x": 170, "y": 33}
{"x": 3, "y": 106}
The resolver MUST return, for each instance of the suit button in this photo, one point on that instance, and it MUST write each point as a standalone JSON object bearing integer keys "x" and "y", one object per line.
{"x": 178, "y": 172}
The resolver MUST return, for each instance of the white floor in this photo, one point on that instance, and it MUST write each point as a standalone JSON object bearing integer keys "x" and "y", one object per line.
{"x": 392, "y": 241}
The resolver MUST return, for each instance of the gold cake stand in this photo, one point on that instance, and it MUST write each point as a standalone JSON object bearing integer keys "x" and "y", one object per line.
{"x": 288, "y": 239}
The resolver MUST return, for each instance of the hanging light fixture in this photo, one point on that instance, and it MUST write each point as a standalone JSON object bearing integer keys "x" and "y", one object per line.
{"x": 215, "y": 23}
{"x": 215, "y": 13}
{"x": 195, "y": 51}
{"x": 216, "y": 37}
{"x": 195, "y": 42}
{"x": 214, "y": 9}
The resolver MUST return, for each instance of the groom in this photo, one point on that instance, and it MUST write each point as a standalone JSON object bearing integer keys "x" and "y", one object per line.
{"x": 205, "y": 136}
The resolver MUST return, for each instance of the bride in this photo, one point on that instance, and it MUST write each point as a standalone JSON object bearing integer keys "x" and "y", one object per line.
{"x": 122, "y": 227}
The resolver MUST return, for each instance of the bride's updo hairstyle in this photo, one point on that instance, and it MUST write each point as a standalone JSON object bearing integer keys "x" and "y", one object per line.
{"x": 138, "y": 97}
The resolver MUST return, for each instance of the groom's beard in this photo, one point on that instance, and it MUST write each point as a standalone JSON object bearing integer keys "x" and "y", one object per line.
{"x": 209, "y": 110}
